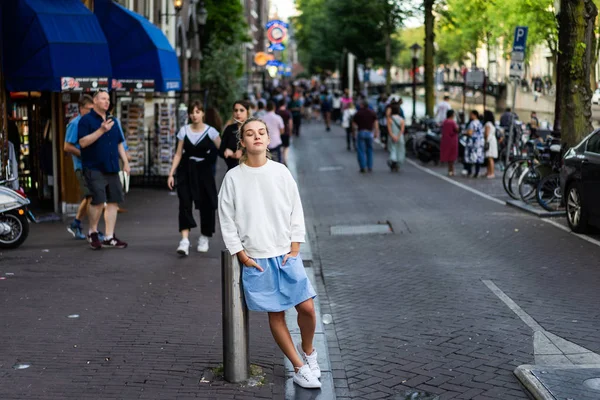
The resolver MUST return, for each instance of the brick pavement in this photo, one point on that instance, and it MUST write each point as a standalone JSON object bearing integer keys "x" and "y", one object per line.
{"x": 149, "y": 326}
{"x": 409, "y": 309}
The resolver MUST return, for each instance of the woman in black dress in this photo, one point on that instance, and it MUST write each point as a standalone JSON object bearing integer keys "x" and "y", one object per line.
{"x": 229, "y": 142}
{"x": 196, "y": 153}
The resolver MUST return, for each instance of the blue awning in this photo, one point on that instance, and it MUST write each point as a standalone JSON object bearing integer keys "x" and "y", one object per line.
{"x": 138, "y": 49}
{"x": 46, "y": 40}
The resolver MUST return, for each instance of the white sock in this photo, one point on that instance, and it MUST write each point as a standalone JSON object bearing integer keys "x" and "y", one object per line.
{"x": 108, "y": 238}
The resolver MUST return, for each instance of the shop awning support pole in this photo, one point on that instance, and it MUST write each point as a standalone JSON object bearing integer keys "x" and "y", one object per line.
{"x": 236, "y": 360}
{"x": 55, "y": 145}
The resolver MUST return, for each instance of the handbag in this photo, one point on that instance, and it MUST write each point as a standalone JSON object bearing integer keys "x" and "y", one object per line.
{"x": 124, "y": 178}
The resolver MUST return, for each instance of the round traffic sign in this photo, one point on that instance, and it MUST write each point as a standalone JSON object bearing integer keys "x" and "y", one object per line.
{"x": 276, "y": 33}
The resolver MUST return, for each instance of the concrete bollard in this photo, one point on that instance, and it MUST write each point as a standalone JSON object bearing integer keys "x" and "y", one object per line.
{"x": 236, "y": 359}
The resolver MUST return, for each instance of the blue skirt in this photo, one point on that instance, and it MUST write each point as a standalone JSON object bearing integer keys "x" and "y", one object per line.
{"x": 278, "y": 287}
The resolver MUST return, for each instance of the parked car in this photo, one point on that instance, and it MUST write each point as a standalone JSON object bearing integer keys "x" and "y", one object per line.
{"x": 596, "y": 97}
{"x": 580, "y": 183}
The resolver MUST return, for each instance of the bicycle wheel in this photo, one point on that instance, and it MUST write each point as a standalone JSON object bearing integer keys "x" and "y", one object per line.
{"x": 549, "y": 195}
{"x": 528, "y": 182}
{"x": 510, "y": 177}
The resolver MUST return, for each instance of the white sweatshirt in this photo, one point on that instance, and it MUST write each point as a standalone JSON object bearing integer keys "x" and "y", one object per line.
{"x": 260, "y": 210}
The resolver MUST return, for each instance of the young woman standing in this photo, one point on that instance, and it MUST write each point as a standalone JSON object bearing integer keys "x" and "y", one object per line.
{"x": 491, "y": 142}
{"x": 474, "y": 149}
{"x": 347, "y": 125}
{"x": 196, "y": 153}
{"x": 229, "y": 142}
{"x": 449, "y": 142}
{"x": 262, "y": 223}
{"x": 396, "y": 147}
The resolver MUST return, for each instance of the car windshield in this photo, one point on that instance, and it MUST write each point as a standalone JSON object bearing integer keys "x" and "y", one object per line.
{"x": 580, "y": 147}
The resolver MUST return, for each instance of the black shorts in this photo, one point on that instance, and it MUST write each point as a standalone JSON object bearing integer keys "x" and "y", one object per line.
{"x": 104, "y": 188}
{"x": 83, "y": 187}
{"x": 285, "y": 140}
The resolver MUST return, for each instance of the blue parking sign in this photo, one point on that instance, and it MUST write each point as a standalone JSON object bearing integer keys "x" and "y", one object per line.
{"x": 520, "y": 38}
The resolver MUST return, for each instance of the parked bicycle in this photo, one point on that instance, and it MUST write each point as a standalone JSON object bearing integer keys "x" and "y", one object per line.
{"x": 535, "y": 177}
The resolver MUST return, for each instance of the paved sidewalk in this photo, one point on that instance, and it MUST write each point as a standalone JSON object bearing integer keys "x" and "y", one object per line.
{"x": 149, "y": 324}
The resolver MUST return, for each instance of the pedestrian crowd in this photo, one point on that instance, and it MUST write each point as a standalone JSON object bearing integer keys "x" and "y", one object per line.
{"x": 480, "y": 147}
{"x": 259, "y": 206}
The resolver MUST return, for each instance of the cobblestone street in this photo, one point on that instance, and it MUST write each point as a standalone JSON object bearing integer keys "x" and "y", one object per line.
{"x": 410, "y": 310}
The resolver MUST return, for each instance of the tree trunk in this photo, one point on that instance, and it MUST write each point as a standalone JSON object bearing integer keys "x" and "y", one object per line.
{"x": 594, "y": 76}
{"x": 388, "y": 63}
{"x": 344, "y": 71}
{"x": 576, "y": 43}
{"x": 429, "y": 64}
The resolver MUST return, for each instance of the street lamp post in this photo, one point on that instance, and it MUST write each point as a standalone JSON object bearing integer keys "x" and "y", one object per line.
{"x": 556, "y": 126}
{"x": 416, "y": 53}
{"x": 177, "y": 5}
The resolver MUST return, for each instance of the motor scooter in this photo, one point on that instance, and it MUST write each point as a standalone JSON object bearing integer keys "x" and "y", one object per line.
{"x": 429, "y": 147}
{"x": 14, "y": 216}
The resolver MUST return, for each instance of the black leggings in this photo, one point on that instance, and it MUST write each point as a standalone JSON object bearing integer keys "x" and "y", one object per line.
{"x": 186, "y": 213}
{"x": 350, "y": 138}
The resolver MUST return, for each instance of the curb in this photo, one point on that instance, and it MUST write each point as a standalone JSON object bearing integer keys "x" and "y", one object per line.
{"x": 292, "y": 391}
{"x": 571, "y": 388}
{"x": 533, "y": 210}
{"x": 531, "y": 383}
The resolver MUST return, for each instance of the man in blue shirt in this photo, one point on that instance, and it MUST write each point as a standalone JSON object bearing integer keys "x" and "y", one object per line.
{"x": 102, "y": 146}
{"x": 86, "y": 103}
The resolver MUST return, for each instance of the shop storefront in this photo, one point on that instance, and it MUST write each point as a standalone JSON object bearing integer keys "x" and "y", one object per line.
{"x": 52, "y": 51}
{"x": 146, "y": 76}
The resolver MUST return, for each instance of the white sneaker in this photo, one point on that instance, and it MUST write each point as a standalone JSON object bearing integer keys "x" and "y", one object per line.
{"x": 310, "y": 360}
{"x": 202, "y": 244}
{"x": 306, "y": 379}
{"x": 184, "y": 247}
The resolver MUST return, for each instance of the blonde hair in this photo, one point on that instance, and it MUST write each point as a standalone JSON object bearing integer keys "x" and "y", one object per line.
{"x": 240, "y": 137}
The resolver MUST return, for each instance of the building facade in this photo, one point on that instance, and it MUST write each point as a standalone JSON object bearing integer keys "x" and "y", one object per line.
{"x": 257, "y": 15}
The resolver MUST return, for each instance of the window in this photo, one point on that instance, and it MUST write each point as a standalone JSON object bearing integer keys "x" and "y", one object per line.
{"x": 593, "y": 145}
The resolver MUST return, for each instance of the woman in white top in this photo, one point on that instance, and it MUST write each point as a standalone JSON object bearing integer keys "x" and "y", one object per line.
{"x": 347, "y": 125}
{"x": 491, "y": 142}
{"x": 194, "y": 158}
{"x": 262, "y": 223}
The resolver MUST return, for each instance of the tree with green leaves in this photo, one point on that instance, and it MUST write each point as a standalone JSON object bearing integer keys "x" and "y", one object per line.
{"x": 393, "y": 15}
{"x": 327, "y": 29}
{"x": 315, "y": 36}
{"x": 407, "y": 37}
{"x": 222, "y": 65}
{"x": 465, "y": 25}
